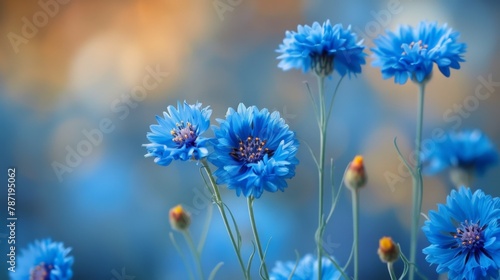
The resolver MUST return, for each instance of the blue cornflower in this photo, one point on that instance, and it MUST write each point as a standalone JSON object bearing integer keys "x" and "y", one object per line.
{"x": 468, "y": 150}
{"x": 177, "y": 135}
{"x": 464, "y": 236}
{"x": 410, "y": 53}
{"x": 42, "y": 260}
{"x": 323, "y": 48}
{"x": 254, "y": 151}
{"x": 305, "y": 269}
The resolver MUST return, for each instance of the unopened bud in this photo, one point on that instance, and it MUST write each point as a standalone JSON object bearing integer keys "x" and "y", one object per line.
{"x": 388, "y": 251}
{"x": 179, "y": 219}
{"x": 355, "y": 176}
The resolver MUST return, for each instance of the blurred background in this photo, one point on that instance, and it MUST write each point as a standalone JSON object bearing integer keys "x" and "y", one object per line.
{"x": 66, "y": 67}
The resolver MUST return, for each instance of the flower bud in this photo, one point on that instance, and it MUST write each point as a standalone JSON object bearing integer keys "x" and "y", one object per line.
{"x": 388, "y": 251}
{"x": 355, "y": 176}
{"x": 179, "y": 219}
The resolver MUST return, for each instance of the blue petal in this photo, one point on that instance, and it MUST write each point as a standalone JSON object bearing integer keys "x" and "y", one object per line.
{"x": 252, "y": 176}
{"x": 410, "y": 52}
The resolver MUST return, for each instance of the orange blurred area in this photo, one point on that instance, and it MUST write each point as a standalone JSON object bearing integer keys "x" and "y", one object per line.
{"x": 55, "y": 46}
{"x": 84, "y": 41}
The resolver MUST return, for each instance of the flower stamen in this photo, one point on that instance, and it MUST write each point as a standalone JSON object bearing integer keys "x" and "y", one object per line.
{"x": 184, "y": 134}
{"x": 470, "y": 235}
{"x": 41, "y": 272}
{"x": 252, "y": 150}
{"x": 413, "y": 44}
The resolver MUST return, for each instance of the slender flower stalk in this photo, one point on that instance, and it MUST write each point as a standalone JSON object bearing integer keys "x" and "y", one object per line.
{"x": 206, "y": 227}
{"x": 194, "y": 251}
{"x": 417, "y": 181}
{"x": 323, "y": 119}
{"x": 322, "y": 49}
{"x": 410, "y": 54}
{"x": 220, "y": 206}
{"x": 254, "y": 151}
{"x": 262, "y": 256}
{"x": 355, "y": 224}
{"x": 181, "y": 254}
{"x": 355, "y": 178}
{"x": 390, "y": 268}
{"x": 321, "y": 168}
{"x": 389, "y": 253}
{"x": 180, "y": 221}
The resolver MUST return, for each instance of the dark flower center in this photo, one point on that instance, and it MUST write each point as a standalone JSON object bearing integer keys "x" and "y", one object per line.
{"x": 41, "y": 272}
{"x": 184, "y": 134}
{"x": 251, "y": 150}
{"x": 322, "y": 64}
{"x": 470, "y": 235}
{"x": 418, "y": 45}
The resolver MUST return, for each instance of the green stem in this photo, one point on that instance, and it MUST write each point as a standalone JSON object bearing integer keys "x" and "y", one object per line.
{"x": 220, "y": 206}
{"x": 195, "y": 253}
{"x": 355, "y": 217}
{"x": 183, "y": 258}
{"x": 206, "y": 227}
{"x": 256, "y": 236}
{"x": 322, "y": 141}
{"x": 417, "y": 182}
{"x": 390, "y": 268}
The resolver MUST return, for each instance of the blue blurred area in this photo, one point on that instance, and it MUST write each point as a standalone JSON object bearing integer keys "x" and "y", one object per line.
{"x": 112, "y": 207}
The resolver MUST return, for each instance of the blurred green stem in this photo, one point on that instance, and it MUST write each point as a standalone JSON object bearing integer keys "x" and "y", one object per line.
{"x": 183, "y": 258}
{"x": 321, "y": 168}
{"x": 390, "y": 268}
{"x": 417, "y": 182}
{"x": 206, "y": 227}
{"x": 355, "y": 233}
{"x": 195, "y": 252}
{"x": 262, "y": 256}
{"x": 323, "y": 115}
{"x": 220, "y": 206}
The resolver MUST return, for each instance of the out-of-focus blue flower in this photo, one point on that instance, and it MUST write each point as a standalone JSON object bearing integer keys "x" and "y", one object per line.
{"x": 464, "y": 236}
{"x": 410, "y": 53}
{"x": 305, "y": 269}
{"x": 322, "y": 48}
{"x": 177, "y": 135}
{"x": 468, "y": 150}
{"x": 254, "y": 151}
{"x": 42, "y": 260}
